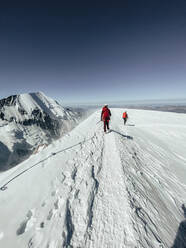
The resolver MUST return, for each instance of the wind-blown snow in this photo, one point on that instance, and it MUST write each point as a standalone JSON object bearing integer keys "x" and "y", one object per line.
{"x": 126, "y": 188}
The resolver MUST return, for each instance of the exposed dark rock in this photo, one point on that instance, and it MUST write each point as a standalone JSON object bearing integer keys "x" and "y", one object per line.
{"x": 12, "y": 118}
{"x": 2, "y": 115}
{"x": 22, "y": 111}
{"x": 43, "y": 120}
{"x": 9, "y": 101}
{"x": 4, "y": 155}
{"x": 36, "y": 113}
{"x": 21, "y": 151}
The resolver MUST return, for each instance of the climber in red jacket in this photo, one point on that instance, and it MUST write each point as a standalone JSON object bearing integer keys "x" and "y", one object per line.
{"x": 105, "y": 117}
{"x": 125, "y": 117}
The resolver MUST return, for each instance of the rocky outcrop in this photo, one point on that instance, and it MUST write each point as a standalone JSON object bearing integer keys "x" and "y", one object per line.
{"x": 9, "y": 101}
{"x": 43, "y": 120}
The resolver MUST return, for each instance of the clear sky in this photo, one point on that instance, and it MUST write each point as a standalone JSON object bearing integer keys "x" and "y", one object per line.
{"x": 92, "y": 51}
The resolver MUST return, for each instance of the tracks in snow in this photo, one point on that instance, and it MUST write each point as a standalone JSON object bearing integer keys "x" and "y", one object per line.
{"x": 150, "y": 187}
{"x": 82, "y": 197}
{"x": 111, "y": 226}
{"x": 90, "y": 205}
{"x": 99, "y": 214}
{"x": 71, "y": 201}
{"x": 109, "y": 194}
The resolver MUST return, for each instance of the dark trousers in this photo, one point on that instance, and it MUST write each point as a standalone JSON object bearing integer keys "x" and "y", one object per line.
{"x": 106, "y": 125}
{"x": 125, "y": 120}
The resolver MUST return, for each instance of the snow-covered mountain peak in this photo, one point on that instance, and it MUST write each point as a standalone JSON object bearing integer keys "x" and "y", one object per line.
{"x": 31, "y": 119}
{"x": 20, "y": 107}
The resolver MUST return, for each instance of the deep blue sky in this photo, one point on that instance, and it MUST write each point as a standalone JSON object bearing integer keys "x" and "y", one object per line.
{"x": 94, "y": 51}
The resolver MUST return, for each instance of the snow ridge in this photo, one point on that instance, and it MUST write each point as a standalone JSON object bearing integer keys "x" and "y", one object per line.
{"x": 69, "y": 226}
{"x": 99, "y": 190}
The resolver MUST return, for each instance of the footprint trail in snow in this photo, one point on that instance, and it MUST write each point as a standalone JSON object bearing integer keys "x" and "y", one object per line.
{"x": 115, "y": 190}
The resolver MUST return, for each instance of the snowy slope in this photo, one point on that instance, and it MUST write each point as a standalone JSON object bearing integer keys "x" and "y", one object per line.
{"x": 29, "y": 122}
{"x": 126, "y": 188}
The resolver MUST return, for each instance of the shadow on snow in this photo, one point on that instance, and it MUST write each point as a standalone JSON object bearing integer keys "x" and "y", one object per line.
{"x": 180, "y": 240}
{"x": 123, "y": 135}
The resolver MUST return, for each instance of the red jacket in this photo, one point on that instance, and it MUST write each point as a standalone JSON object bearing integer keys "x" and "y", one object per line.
{"x": 105, "y": 114}
{"x": 125, "y": 115}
